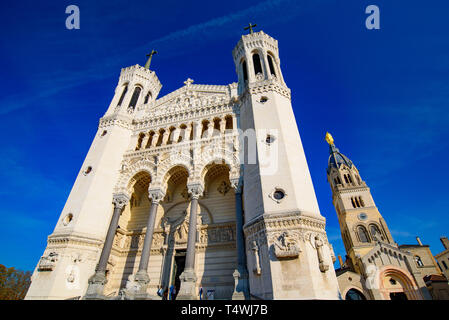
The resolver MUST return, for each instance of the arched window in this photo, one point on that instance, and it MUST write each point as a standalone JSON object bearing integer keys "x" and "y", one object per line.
{"x": 134, "y": 98}
{"x": 444, "y": 264}
{"x": 353, "y": 202}
{"x": 257, "y": 64}
{"x": 271, "y": 65}
{"x": 229, "y": 124}
{"x": 361, "y": 202}
{"x": 375, "y": 232}
{"x": 363, "y": 234}
{"x": 245, "y": 71}
{"x": 354, "y": 294}
{"x": 147, "y": 97}
{"x": 419, "y": 262}
{"x": 122, "y": 96}
{"x": 346, "y": 178}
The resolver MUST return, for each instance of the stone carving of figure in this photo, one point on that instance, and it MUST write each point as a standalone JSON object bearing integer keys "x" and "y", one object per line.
{"x": 255, "y": 249}
{"x": 178, "y": 226}
{"x": 285, "y": 246}
{"x": 319, "y": 248}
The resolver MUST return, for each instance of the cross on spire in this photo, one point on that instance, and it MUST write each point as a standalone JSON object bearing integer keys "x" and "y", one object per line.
{"x": 188, "y": 82}
{"x": 250, "y": 27}
{"x": 150, "y": 55}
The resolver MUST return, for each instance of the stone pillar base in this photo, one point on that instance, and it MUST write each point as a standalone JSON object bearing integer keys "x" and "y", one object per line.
{"x": 241, "y": 291}
{"x": 188, "y": 286}
{"x": 136, "y": 286}
{"x": 96, "y": 287}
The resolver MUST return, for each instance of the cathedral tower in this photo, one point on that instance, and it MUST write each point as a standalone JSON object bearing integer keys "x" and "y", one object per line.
{"x": 376, "y": 268}
{"x": 361, "y": 223}
{"x": 288, "y": 253}
{"x": 72, "y": 250}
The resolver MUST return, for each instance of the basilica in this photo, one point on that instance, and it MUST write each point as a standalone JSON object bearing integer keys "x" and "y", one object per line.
{"x": 205, "y": 193}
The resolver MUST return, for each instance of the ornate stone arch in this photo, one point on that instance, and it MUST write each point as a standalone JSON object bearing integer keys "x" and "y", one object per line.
{"x": 129, "y": 171}
{"x": 166, "y": 165}
{"x": 223, "y": 157}
{"x": 406, "y": 280}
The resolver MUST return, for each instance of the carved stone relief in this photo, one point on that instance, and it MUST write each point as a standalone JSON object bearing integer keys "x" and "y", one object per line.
{"x": 48, "y": 262}
{"x": 285, "y": 245}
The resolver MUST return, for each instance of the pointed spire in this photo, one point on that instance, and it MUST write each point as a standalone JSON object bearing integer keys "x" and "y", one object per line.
{"x": 336, "y": 158}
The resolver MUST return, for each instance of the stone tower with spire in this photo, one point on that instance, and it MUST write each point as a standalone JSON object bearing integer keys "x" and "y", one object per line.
{"x": 361, "y": 223}
{"x": 376, "y": 268}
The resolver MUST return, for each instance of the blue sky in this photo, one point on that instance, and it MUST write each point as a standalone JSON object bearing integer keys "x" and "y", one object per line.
{"x": 383, "y": 94}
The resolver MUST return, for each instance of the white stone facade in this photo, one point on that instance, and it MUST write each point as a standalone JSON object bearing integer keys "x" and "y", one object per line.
{"x": 190, "y": 156}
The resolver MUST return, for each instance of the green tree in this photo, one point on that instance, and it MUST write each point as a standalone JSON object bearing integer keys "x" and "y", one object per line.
{"x": 14, "y": 283}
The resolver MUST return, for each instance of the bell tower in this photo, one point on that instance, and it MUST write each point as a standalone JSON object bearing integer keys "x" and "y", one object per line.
{"x": 361, "y": 223}
{"x": 73, "y": 248}
{"x": 288, "y": 254}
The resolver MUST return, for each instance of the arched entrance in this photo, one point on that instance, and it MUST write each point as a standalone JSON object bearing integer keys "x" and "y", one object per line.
{"x": 397, "y": 284}
{"x": 130, "y": 233}
{"x": 354, "y": 294}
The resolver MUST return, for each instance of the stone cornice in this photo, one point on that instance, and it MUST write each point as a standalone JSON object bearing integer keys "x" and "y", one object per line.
{"x": 185, "y": 114}
{"x": 191, "y": 144}
{"x": 263, "y": 86}
{"x": 73, "y": 238}
{"x": 254, "y": 40}
{"x": 283, "y": 221}
{"x": 353, "y": 189}
{"x": 116, "y": 120}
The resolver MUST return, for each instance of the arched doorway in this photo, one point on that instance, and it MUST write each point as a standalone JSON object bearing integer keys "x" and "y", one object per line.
{"x": 354, "y": 294}
{"x": 397, "y": 284}
{"x": 130, "y": 233}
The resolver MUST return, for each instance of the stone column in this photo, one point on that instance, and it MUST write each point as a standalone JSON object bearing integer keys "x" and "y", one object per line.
{"x": 165, "y": 137}
{"x": 241, "y": 291}
{"x": 141, "y": 279}
{"x": 266, "y": 64}
{"x": 145, "y": 141}
{"x": 176, "y": 133}
{"x": 155, "y": 139}
{"x": 222, "y": 125}
{"x": 197, "y": 126}
{"x": 188, "y": 277}
{"x": 98, "y": 280}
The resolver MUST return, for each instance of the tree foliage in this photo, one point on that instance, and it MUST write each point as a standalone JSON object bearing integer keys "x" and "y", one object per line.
{"x": 14, "y": 283}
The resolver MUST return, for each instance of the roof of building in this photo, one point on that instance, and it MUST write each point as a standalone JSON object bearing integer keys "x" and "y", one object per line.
{"x": 336, "y": 158}
{"x": 413, "y": 246}
{"x": 435, "y": 278}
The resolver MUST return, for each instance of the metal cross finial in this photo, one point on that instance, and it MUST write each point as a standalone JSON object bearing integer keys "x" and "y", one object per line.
{"x": 250, "y": 27}
{"x": 150, "y": 55}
